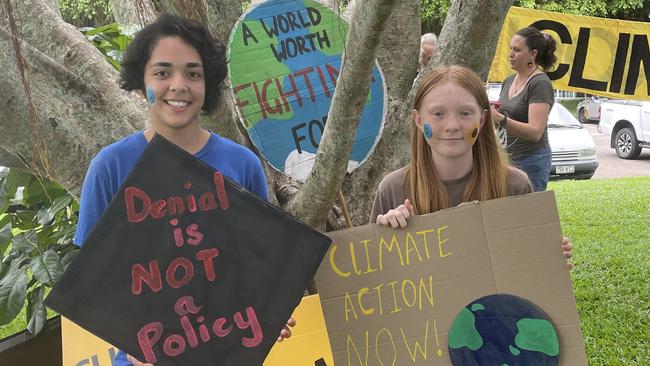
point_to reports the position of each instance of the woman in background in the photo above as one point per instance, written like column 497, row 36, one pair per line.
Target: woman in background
column 526, row 100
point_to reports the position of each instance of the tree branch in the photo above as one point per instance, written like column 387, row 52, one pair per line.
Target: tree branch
column 469, row 34
column 318, row 194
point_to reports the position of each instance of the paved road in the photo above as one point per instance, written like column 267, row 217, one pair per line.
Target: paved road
column 610, row 165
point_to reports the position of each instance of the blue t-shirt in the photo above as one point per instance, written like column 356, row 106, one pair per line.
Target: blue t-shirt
column 111, row 166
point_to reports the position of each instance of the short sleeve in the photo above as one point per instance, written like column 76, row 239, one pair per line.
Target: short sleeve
column 95, row 198
column 518, row 182
column 541, row 91
column 258, row 181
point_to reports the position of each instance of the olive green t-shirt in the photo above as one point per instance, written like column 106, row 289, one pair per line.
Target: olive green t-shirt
column 538, row 90
column 395, row 188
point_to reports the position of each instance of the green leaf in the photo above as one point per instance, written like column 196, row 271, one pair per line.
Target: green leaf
column 26, row 242
column 36, row 311
column 9, row 185
column 68, row 257
column 5, row 238
column 13, row 290
column 47, row 268
column 46, row 214
column 34, row 193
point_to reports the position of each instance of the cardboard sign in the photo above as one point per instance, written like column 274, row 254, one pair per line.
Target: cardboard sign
column 390, row 296
column 308, row 346
column 285, row 58
column 187, row 268
column 606, row 57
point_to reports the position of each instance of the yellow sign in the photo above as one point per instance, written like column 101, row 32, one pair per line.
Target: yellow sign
column 81, row 348
column 309, row 345
column 594, row 55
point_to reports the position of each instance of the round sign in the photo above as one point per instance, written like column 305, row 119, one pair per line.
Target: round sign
column 503, row 330
column 285, row 57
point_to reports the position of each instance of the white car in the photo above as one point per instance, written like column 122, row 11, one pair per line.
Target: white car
column 573, row 148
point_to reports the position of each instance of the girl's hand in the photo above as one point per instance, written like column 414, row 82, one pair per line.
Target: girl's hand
column 397, row 217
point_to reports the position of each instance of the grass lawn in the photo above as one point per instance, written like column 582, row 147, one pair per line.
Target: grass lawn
column 608, row 221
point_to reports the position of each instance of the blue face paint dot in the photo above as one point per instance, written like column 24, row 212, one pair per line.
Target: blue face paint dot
column 151, row 96
column 428, row 132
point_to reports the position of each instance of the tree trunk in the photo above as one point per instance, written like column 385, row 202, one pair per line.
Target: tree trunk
column 134, row 14
column 62, row 102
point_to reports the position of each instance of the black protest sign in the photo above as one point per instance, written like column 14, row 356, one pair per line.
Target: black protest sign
column 187, row 268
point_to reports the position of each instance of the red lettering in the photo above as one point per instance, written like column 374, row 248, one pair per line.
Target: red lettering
column 176, row 205
column 294, row 92
column 303, row 73
column 203, row 330
column 207, row 202
column 217, row 178
column 151, row 277
column 178, row 237
column 174, row 345
column 131, row 193
column 240, row 103
column 196, row 237
column 326, row 89
column 189, row 332
column 158, row 209
column 259, row 100
column 265, row 101
column 188, row 270
column 191, row 203
column 253, row 323
column 185, row 305
column 206, row 256
column 333, row 73
column 219, row 330
column 147, row 337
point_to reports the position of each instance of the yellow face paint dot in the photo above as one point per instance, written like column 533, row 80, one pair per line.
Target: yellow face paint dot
column 472, row 135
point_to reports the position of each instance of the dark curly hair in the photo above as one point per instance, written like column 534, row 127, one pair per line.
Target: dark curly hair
column 543, row 43
column 212, row 52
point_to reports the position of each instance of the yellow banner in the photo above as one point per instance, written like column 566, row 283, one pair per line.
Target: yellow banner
column 597, row 56
column 309, row 345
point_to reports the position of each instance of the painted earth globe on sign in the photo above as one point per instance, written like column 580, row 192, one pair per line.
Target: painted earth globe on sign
column 503, row 330
column 285, row 59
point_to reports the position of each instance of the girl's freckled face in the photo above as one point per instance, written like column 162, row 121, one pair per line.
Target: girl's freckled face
column 450, row 119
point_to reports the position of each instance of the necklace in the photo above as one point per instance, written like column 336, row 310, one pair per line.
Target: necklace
column 518, row 88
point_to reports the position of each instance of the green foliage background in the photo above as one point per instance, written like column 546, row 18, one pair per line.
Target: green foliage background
column 86, row 13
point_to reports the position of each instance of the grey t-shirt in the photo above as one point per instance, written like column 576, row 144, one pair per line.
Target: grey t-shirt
column 538, row 90
column 395, row 188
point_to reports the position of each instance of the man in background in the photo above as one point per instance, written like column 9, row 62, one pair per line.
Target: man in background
column 428, row 43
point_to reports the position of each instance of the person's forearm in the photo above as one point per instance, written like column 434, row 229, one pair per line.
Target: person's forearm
column 524, row 131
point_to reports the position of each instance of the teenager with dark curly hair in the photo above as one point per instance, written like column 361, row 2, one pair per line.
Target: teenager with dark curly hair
column 179, row 68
